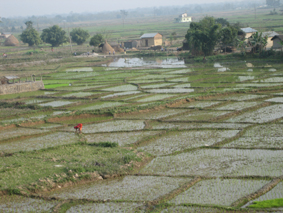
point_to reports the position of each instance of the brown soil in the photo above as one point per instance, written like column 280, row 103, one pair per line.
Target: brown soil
column 8, row 127
column 29, row 124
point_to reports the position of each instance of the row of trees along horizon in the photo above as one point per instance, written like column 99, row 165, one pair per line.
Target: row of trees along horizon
column 56, row 36
column 201, row 39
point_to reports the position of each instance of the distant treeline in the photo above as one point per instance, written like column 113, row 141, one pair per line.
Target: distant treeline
column 17, row 24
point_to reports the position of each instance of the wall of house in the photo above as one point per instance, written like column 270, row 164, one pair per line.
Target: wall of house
column 269, row 42
column 150, row 42
column 248, row 35
column 158, row 40
column 21, row 87
column 276, row 44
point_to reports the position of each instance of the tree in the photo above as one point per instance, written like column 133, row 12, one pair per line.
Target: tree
column 96, row 40
column 228, row 35
column 30, row 35
column 79, row 36
column 222, row 21
column 54, row 35
column 203, row 36
column 124, row 14
column 258, row 42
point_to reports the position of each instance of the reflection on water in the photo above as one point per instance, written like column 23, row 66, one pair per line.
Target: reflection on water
column 152, row 62
column 220, row 67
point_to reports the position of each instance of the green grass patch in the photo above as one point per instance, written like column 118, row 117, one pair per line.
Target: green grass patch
column 267, row 203
column 52, row 86
column 107, row 158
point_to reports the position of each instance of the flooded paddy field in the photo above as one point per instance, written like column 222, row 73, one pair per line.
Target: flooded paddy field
column 221, row 192
column 170, row 137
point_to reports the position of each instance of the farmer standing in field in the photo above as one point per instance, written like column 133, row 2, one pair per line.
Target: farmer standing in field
column 79, row 127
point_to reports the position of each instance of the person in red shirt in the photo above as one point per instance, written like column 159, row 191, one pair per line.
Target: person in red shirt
column 79, row 127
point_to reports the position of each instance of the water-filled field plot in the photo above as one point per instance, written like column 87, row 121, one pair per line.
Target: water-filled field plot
column 180, row 126
column 198, row 104
column 122, row 138
column 262, row 115
column 41, row 142
column 121, row 88
column 276, row 100
column 192, row 209
column 219, row 162
column 153, row 86
column 221, row 192
column 79, row 94
column 198, row 115
column 261, row 136
column 155, row 97
column 178, row 141
column 19, row 204
column 130, row 188
column 112, row 126
column 174, row 90
column 152, row 114
column 240, row 97
column 238, row 106
column 97, row 105
column 132, row 207
column 17, row 132
column 56, row 103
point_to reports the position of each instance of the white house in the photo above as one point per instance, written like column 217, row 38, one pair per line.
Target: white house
column 183, row 18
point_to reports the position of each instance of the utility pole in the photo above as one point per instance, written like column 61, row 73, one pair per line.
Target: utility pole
column 70, row 40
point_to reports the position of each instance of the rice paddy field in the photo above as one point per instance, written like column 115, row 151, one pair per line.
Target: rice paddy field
column 185, row 138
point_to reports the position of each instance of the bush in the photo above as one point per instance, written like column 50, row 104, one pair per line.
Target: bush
column 107, row 144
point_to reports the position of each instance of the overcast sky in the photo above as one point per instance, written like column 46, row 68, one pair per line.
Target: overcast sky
column 10, row 8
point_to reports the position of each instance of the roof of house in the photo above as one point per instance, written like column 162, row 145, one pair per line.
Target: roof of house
column 269, row 34
column 149, row 35
column 11, row 77
column 248, row 30
column 278, row 36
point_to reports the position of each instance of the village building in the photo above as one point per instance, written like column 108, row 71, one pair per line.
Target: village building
column 151, row 39
column 5, row 35
column 183, row 18
column 269, row 36
column 277, row 42
column 14, row 84
column 132, row 44
column 248, row 31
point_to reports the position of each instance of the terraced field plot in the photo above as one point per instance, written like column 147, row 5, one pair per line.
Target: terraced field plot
column 17, row 132
column 261, row 115
column 199, row 104
column 219, row 162
column 108, row 207
column 18, row 204
column 42, row 142
column 211, row 137
column 218, row 192
column 152, row 114
column 178, row 141
column 198, row 116
column 181, row 126
column 129, row 188
column 122, row 138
